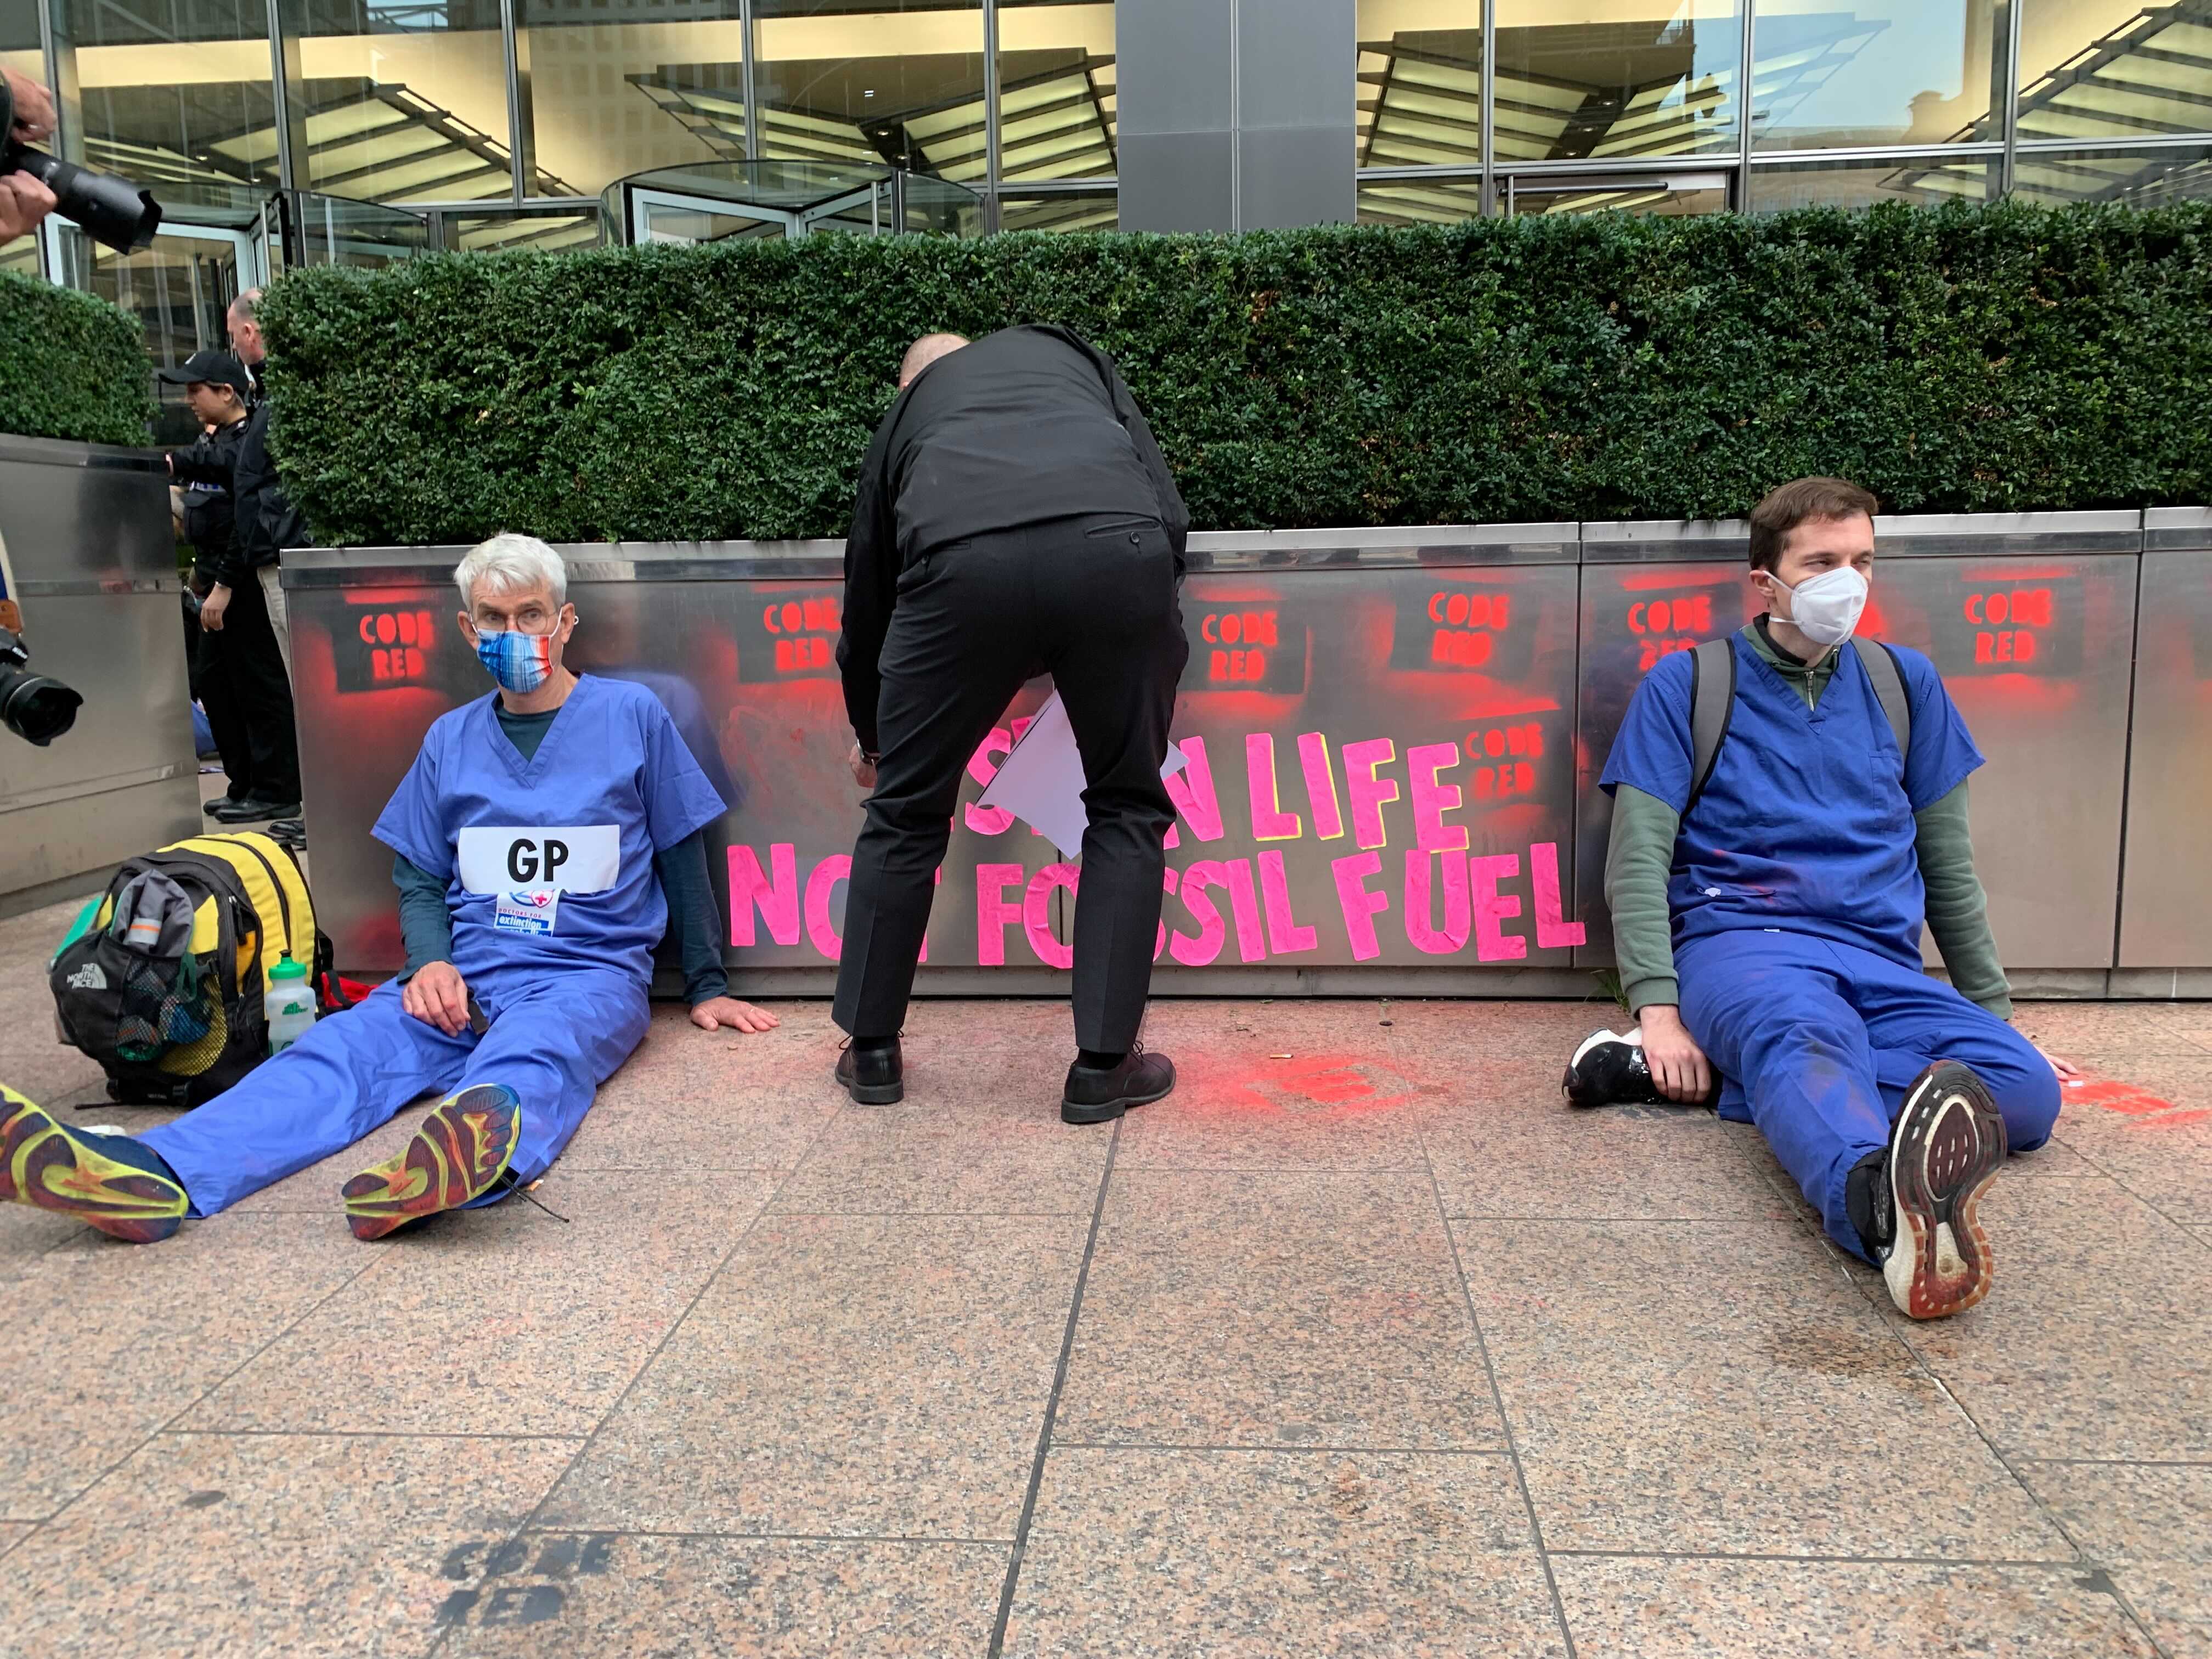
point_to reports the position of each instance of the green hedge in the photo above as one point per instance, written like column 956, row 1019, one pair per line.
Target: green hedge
column 2002, row 358
column 71, row 366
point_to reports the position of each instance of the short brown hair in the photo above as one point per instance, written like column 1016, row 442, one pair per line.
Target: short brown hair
column 1790, row 505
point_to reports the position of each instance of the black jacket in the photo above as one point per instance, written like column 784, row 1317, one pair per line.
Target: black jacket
column 211, row 512
column 1025, row 425
column 267, row 520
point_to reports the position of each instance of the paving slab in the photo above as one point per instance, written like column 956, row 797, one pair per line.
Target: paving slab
column 1252, row 1554
column 314, row 1547
column 2151, row 1525
column 1275, row 1308
column 848, row 1375
column 1641, row 1608
column 2096, row 1340
column 629, row 1595
column 1718, row 1387
column 501, row 1320
column 108, row 1341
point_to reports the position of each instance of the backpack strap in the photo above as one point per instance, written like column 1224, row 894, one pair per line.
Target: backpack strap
column 1888, row 678
column 1713, row 706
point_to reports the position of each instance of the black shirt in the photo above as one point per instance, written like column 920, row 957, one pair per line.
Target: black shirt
column 1024, row 425
column 210, row 512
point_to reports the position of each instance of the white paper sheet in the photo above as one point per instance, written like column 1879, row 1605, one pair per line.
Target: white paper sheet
column 1041, row 782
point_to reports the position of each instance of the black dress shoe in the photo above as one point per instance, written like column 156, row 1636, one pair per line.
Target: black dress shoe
column 219, row 804
column 1098, row 1094
column 253, row 811
column 873, row 1077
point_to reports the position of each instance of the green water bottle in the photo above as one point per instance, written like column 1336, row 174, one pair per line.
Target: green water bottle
column 291, row 1005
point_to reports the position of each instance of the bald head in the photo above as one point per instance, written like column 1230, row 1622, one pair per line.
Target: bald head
column 924, row 352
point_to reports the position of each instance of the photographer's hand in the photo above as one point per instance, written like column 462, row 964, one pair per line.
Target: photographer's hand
column 24, row 201
column 213, row 606
column 34, row 108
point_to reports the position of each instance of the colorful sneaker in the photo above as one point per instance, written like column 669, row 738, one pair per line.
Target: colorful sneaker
column 458, row 1156
column 42, row 1163
column 1944, row 1151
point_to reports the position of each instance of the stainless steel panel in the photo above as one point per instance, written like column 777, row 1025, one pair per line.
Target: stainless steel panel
column 1634, row 613
column 1173, row 69
column 1176, row 181
column 88, row 539
column 2166, row 894
column 1293, row 176
column 2035, row 650
column 1987, row 535
column 1417, row 722
column 1291, row 69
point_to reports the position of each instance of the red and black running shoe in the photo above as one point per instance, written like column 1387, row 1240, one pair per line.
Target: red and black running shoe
column 1944, row 1151
column 458, row 1156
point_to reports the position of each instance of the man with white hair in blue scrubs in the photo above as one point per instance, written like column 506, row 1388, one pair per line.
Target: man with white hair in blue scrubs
column 546, row 838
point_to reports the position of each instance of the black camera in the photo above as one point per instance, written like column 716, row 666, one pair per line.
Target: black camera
column 112, row 210
column 34, row 708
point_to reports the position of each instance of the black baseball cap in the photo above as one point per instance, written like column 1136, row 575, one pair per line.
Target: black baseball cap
column 211, row 368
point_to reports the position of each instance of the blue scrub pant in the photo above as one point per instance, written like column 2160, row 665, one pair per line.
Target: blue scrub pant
column 1817, row 1043
column 554, row 1039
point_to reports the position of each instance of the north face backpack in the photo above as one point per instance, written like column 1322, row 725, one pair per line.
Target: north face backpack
column 162, row 978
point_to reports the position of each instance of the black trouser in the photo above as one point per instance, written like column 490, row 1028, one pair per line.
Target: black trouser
column 211, row 688
column 241, row 666
column 1091, row 601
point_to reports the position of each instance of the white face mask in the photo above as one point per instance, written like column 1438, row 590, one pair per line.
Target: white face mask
column 1825, row 608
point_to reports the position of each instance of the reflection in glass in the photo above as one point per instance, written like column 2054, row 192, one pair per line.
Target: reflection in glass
column 899, row 84
column 21, row 255
column 1656, row 195
column 180, row 289
column 1087, row 209
column 544, row 233
column 2114, row 69
column 718, row 201
column 328, row 230
column 1608, row 80
column 1420, row 84
column 1863, row 183
column 1055, row 90
column 619, row 87
column 1419, row 200
column 2146, row 178
column 175, row 94
column 400, row 101
column 1889, row 72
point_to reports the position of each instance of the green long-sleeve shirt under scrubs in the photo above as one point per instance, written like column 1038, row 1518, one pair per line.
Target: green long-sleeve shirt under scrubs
column 1640, row 857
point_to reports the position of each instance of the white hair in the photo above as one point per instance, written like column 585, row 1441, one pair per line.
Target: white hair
column 509, row 564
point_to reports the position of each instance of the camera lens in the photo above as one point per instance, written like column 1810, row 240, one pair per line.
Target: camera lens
column 36, row 709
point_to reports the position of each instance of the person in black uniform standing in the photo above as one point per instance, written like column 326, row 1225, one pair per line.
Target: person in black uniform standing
column 1015, row 517
column 214, row 386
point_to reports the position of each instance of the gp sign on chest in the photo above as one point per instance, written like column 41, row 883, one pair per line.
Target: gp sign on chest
column 529, row 866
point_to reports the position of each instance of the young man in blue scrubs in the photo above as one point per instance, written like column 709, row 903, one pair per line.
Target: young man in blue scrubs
column 546, row 838
column 1771, row 926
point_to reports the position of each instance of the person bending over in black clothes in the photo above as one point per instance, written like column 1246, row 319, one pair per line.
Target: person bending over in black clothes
column 1015, row 517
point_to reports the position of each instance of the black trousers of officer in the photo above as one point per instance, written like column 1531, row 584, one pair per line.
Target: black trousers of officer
column 1092, row 601
column 242, row 664
column 211, row 688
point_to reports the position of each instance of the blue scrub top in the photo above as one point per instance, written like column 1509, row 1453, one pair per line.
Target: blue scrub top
column 548, row 862
column 1806, row 823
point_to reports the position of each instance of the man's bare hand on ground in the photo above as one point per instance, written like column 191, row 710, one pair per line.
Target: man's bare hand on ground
column 2062, row 1067
column 721, row 1013
column 1678, row 1066
column 438, row 996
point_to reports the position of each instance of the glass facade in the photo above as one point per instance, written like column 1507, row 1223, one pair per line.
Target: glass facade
column 1848, row 103
column 369, row 129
